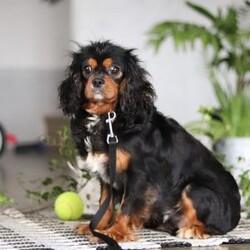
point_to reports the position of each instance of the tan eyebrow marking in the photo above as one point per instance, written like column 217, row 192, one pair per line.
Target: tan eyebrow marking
column 107, row 62
column 92, row 63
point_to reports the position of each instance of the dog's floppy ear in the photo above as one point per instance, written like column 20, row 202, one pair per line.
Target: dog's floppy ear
column 137, row 95
column 70, row 89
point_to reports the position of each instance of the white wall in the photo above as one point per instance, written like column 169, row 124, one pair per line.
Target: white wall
column 179, row 78
column 34, row 38
column 34, row 34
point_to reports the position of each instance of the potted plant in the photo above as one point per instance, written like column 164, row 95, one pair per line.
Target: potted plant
column 227, row 55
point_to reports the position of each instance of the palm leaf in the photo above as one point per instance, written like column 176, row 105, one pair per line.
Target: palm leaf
column 245, row 34
column 221, row 95
column 201, row 10
column 183, row 34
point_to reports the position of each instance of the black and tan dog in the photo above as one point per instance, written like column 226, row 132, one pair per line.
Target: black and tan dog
column 166, row 179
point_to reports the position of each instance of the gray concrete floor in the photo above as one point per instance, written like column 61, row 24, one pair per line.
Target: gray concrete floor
column 25, row 171
column 21, row 172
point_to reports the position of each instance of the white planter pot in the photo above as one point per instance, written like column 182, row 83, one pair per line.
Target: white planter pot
column 237, row 155
column 236, row 152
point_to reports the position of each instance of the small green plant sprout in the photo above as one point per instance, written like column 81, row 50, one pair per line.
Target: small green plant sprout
column 5, row 199
column 67, row 159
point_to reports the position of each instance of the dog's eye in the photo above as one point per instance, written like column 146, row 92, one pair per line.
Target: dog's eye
column 114, row 70
column 87, row 69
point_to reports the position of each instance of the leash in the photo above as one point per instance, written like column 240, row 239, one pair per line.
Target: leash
column 112, row 140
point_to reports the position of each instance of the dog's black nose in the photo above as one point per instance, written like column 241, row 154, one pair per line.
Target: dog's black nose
column 97, row 82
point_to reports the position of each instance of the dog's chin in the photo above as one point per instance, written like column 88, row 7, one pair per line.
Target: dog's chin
column 99, row 103
column 98, row 96
column 101, row 96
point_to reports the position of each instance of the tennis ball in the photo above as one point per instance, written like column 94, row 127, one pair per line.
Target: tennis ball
column 68, row 206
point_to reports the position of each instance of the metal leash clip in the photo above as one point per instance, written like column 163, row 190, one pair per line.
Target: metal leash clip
column 111, row 137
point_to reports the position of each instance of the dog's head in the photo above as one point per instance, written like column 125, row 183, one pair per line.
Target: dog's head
column 104, row 77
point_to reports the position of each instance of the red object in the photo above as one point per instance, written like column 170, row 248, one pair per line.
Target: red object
column 11, row 138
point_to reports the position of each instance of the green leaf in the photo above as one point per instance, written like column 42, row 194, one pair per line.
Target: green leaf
column 202, row 11
column 183, row 34
column 4, row 199
column 221, row 94
column 47, row 181
column 45, row 196
column 57, row 190
column 54, row 164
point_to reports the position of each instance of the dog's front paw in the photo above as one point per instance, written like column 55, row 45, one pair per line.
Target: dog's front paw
column 120, row 236
column 82, row 229
column 193, row 232
column 116, row 235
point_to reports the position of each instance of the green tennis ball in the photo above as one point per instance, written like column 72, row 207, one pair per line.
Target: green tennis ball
column 68, row 206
